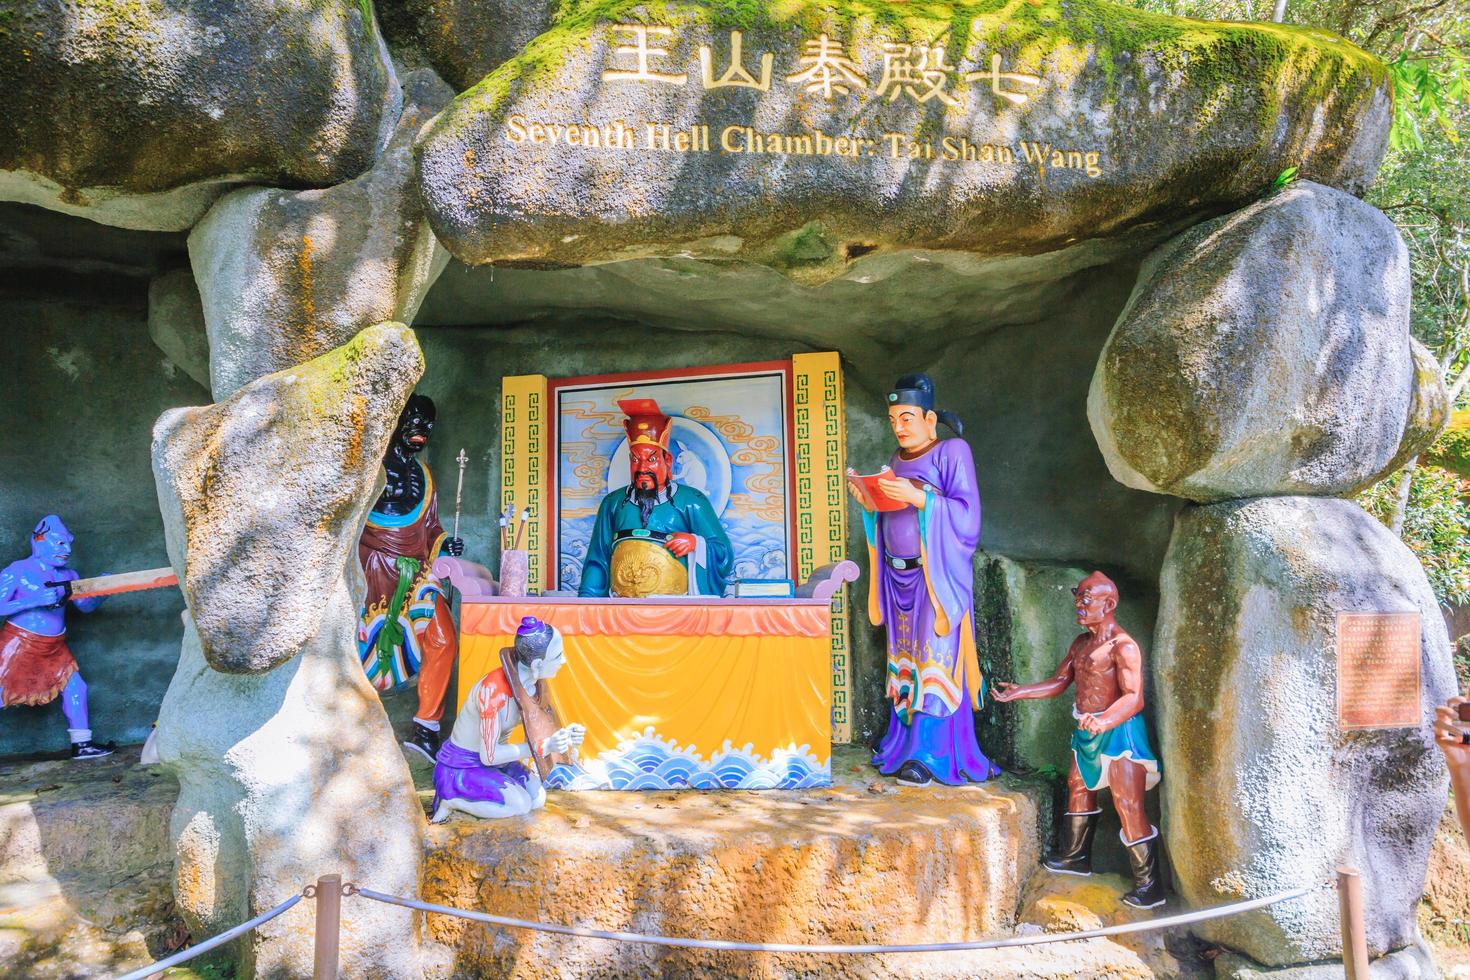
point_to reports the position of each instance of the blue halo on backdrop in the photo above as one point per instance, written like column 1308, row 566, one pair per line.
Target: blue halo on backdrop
column 700, row 461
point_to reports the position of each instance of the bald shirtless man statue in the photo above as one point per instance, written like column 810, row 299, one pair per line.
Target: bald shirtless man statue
column 1109, row 746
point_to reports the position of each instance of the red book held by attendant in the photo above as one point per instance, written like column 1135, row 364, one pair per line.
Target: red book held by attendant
column 872, row 494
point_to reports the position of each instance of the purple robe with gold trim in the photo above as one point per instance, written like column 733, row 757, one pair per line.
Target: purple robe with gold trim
column 933, row 678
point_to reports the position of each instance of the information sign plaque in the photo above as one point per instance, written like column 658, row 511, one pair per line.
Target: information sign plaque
column 1378, row 670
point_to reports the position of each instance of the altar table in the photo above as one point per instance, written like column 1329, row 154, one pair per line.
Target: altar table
column 678, row 693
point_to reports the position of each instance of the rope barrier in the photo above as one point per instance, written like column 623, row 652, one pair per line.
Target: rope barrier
column 199, row 949
column 1166, row 922
column 327, row 927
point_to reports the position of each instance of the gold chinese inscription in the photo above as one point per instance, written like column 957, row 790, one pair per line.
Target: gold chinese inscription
column 826, row 69
column 822, row 68
column 736, row 75
column 1378, row 670
column 643, row 51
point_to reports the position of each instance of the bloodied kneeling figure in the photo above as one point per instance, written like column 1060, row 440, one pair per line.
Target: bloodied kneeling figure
column 921, row 547
column 478, row 770
column 1110, row 748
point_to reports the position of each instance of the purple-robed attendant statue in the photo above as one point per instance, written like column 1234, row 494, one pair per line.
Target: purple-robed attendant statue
column 923, row 523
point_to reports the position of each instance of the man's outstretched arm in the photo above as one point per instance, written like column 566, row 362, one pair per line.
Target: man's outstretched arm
column 1050, row 688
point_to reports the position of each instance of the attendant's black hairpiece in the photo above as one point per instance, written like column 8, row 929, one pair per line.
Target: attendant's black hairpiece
column 918, row 390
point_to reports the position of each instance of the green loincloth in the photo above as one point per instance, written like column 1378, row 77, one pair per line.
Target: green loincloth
column 1094, row 753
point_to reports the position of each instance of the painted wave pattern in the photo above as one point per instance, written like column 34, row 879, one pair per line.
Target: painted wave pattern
column 647, row 761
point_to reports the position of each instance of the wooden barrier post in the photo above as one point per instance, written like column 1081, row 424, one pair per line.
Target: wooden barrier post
column 329, row 927
column 1354, row 936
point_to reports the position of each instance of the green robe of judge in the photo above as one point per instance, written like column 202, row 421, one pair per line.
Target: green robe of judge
column 679, row 509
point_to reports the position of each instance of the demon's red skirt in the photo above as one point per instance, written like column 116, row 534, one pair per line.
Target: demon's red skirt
column 33, row 668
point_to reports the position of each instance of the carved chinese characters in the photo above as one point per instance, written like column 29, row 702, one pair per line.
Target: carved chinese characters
column 823, row 68
column 820, row 68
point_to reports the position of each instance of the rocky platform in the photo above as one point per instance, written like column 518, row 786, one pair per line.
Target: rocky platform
column 863, row 861
column 85, row 878
column 86, row 869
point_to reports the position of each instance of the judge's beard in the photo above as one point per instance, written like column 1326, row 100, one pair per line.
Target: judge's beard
column 646, row 501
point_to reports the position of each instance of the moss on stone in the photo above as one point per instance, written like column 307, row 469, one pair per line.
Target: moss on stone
column 1452, row 450
column 811, row 244
column 1261, row 65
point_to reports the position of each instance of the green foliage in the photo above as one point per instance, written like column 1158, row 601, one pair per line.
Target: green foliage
column 1451, row 451
column 1425, row 189
column 211, row 966
column 1427, row 90
column 1436, row 526
column 1462, row 663
column 1283, row 179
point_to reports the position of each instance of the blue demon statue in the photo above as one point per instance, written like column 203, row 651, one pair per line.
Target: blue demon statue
column 35, row 663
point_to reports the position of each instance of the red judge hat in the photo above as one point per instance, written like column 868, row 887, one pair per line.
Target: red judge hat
column 645, row 423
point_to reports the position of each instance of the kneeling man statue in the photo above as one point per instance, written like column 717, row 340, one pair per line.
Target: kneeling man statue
column 478, row 771
column 1109, row 746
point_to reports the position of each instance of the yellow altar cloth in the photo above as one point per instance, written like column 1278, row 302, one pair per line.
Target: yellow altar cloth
column 729, row 693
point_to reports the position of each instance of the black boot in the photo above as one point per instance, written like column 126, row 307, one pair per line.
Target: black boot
column 424, row 741
column 913, row 773
column 1143, row 858
column 1073, row 855
column 91, row 750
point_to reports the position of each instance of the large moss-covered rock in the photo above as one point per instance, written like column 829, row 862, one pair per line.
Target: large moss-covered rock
column 263, row 494
column 287, row 276
column 139, row 112
column 1094, row 118
column 287, row 766
column 1263, row 791
column 464, row 40
column 1265, row 352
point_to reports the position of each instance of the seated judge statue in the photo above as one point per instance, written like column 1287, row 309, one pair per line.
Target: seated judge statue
column 655, row 537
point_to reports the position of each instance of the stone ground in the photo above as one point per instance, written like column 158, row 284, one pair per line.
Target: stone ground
column 85, row 877
column 85, row 870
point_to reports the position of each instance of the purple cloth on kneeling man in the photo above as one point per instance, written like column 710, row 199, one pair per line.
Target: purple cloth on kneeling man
column 460, row 775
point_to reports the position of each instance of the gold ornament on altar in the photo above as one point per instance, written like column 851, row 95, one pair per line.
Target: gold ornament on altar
column 641, row 568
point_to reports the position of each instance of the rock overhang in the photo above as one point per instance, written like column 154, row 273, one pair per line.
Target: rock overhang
column 909, row 301
column 139, row 114
column 996, row 128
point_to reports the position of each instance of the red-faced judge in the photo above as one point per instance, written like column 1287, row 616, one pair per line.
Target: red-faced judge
column 655, row 510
